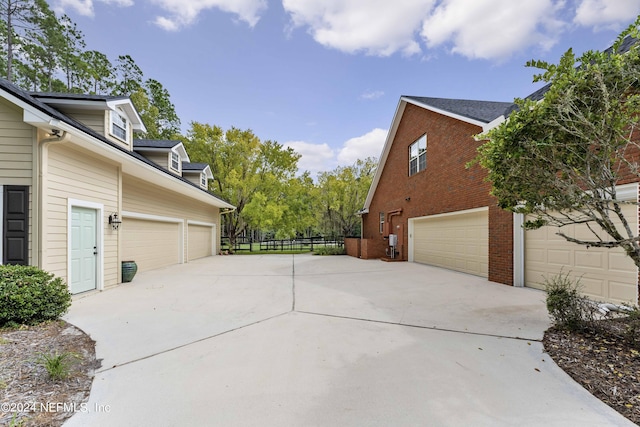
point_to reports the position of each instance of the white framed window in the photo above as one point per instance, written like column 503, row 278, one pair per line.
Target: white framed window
column 418, row 155
column 119, row 126
column 381, row 222
column 203, row 180
column 175, row 161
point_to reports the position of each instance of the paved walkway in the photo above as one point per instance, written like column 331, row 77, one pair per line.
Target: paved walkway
column 284, row 340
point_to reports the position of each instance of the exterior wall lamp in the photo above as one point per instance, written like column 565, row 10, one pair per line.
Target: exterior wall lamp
column 115, row 221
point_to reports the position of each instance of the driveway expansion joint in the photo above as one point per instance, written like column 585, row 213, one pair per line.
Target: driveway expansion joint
column 178, row 347
column 432, row 328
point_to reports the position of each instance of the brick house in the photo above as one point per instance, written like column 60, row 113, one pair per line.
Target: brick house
column 443, row 215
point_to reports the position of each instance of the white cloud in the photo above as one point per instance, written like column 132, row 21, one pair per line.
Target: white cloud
column 82, row 7
column 361, row 147
column 85, row 7
column 376, row 27
column 182, row 13
column 372, row 94
column 611, row 14
column 492, row 29
column 315, row 157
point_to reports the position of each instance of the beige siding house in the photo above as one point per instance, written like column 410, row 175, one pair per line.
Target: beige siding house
column 79, row 197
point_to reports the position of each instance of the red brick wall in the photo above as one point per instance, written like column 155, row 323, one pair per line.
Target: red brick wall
column 446, row 185
column 352, row 246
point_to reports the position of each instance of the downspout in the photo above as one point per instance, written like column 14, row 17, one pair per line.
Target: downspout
column 43, row 160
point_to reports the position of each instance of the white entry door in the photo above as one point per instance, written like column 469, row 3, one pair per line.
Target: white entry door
column 84, row 249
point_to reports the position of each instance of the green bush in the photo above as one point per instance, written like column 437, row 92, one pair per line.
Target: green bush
column 329, row 250
column 29, row 295
column 567, row 308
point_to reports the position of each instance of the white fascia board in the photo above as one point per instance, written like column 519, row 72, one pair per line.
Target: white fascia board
column 132, row 113
column 385, row 153
column 478, row 123
column 207, row 172
column 181, row 151
column 495, row 123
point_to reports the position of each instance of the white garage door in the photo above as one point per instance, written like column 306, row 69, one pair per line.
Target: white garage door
column 151, row 244
column 457, row 241
column 606, row 274
column 200, row 241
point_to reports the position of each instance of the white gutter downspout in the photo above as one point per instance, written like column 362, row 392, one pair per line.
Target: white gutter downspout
column 43, row 159
column 518, row 250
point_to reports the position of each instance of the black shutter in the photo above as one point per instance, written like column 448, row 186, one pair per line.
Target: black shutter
column 15, row 225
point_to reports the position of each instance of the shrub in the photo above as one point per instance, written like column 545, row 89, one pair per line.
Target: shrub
column 29, row 295
column 329, row 250
column 567, row 308
column 58, row 365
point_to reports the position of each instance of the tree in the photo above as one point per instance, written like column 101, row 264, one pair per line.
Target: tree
column 129, row 76
column 248, row 173
column 98, row 72
column 16, row 14
column 342, row 193
column 559, row 160
column 165, row 116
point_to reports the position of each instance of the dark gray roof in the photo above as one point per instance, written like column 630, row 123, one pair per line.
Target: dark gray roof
column 151, row 143
column 484, row 111
column 74, row 96
column 195, row 167
column 31, row 100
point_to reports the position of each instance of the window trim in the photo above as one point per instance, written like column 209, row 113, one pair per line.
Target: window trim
column 420, row 158
column 381, row 222
column 203, row 180
column 113, row 124
column 175, row 160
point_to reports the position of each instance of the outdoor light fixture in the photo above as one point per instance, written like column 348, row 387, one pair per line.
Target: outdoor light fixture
column 114, row 221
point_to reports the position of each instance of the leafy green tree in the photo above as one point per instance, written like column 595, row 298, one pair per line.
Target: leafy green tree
column 129, row 76
column 560, row 159
column 342, row 193
column 99, row 72
column 248, row 173
column 16, row 16
column 166, row 118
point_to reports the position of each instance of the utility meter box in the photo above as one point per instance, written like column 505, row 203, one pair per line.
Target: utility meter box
column 393, row 240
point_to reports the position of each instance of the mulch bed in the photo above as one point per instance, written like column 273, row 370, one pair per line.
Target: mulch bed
column 605, row 360
column 29, row 396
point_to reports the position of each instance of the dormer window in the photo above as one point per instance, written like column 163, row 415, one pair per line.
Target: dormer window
column 119, row 126
column 203, row 180
column 175, row 161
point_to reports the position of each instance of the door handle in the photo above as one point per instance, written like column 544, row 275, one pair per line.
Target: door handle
column 95, row 250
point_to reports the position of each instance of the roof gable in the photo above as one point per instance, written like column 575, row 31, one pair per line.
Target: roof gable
column 479, row 113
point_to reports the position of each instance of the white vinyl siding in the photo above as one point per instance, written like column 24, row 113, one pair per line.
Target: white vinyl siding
column 144, row 198
column 75, row 174
column 94, row 120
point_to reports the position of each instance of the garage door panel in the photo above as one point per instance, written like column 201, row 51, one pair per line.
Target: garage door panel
column 605, row 274
column 200, row 241
column 151, row 244
column 457, row 242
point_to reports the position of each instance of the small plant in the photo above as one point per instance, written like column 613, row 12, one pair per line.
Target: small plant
column 58, row 365
column 29, row 295
column 329, row 250
column 567, row 308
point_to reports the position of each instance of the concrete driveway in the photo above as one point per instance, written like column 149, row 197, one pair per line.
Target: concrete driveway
column 284, row 340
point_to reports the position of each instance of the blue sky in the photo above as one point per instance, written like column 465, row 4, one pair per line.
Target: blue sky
column 325, row 76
